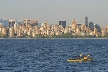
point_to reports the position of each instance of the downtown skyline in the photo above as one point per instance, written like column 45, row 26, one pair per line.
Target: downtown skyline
column 21, row 21
column 54, row 11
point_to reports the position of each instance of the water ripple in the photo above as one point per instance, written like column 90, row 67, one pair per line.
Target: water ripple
column 51, row 55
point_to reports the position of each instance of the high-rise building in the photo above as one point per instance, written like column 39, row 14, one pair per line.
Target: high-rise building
column 79, row 26
column 74, row 24
column 26, row 22
column 11, row 32
column 95, row 31
column 83, row 28
column 34, row 23
column 87, row 30
column 91, row 26
column 4, row 31
column 63, row 23
column 86, row 21
column 103, row 31
column 97, row 27
column 11, row 23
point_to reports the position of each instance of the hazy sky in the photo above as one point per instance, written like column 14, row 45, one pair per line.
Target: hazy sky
column 54, row 10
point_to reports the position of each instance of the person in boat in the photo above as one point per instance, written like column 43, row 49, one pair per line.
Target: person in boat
column 85, row 58
column 79, row 57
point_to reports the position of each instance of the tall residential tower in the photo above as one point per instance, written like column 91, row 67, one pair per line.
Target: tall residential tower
column 11, row 23
column 63, row 23
column 86, row 21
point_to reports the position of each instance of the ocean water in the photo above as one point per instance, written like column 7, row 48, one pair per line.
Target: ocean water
column 51, row 55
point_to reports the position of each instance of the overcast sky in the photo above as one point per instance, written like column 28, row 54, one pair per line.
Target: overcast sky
column 54, row 10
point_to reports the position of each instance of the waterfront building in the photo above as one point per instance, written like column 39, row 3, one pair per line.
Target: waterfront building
column 103, row 32
column 18, row 32
column 74, row 24
column 107, row 29
column 62, row 30
column 79, row 26
column 87, row 30
column 15, row 28
column 29, row 33
column 98, row 28
column 91, row 33
column 11, row 23
column 48, row 32
column 34, row 34
column 36, row 27
column 44, row 24
column 82, row 33
column 91, row 26
column 66, row 29
column 83, row 28
column 86, row 21
column 63, row 23
column 1, row 25
column 34, row 23
column 4, row 31
column 56, row 28
column 78, row 31
column 26, row 22
column 48, row 27
column 11, row 32
column 42, row 29
column 25, row 30
column 21, row 30
column 95, row 31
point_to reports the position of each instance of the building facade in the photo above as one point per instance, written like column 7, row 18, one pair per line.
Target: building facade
column 91, row 26
column 86, row 21
column 11, row 23
column 34, row 22
column 63, row 23
column 26, row 22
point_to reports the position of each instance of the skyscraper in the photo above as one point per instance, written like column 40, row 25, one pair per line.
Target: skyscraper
column 11, row 23
column 86, row 21
column 63, row 23
column 97, row 27
column 91, row 26
column 26, row 22
column 74, row 24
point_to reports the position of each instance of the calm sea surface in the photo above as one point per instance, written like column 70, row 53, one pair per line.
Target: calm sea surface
column 51, row 55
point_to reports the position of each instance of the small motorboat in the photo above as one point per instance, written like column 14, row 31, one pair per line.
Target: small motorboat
column 79, row 60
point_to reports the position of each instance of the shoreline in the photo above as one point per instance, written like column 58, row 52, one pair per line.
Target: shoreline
column 53, row 38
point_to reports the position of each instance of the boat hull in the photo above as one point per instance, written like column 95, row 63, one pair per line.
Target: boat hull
column 81, row 60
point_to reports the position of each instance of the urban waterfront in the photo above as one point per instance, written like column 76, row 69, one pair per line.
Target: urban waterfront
column 30, row 29
column 51, row 55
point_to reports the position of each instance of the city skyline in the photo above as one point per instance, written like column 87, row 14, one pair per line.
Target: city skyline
column 21, row 21
column 30, row 28
column 55, row 11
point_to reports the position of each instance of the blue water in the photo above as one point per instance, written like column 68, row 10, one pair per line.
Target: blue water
column 51, row 55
